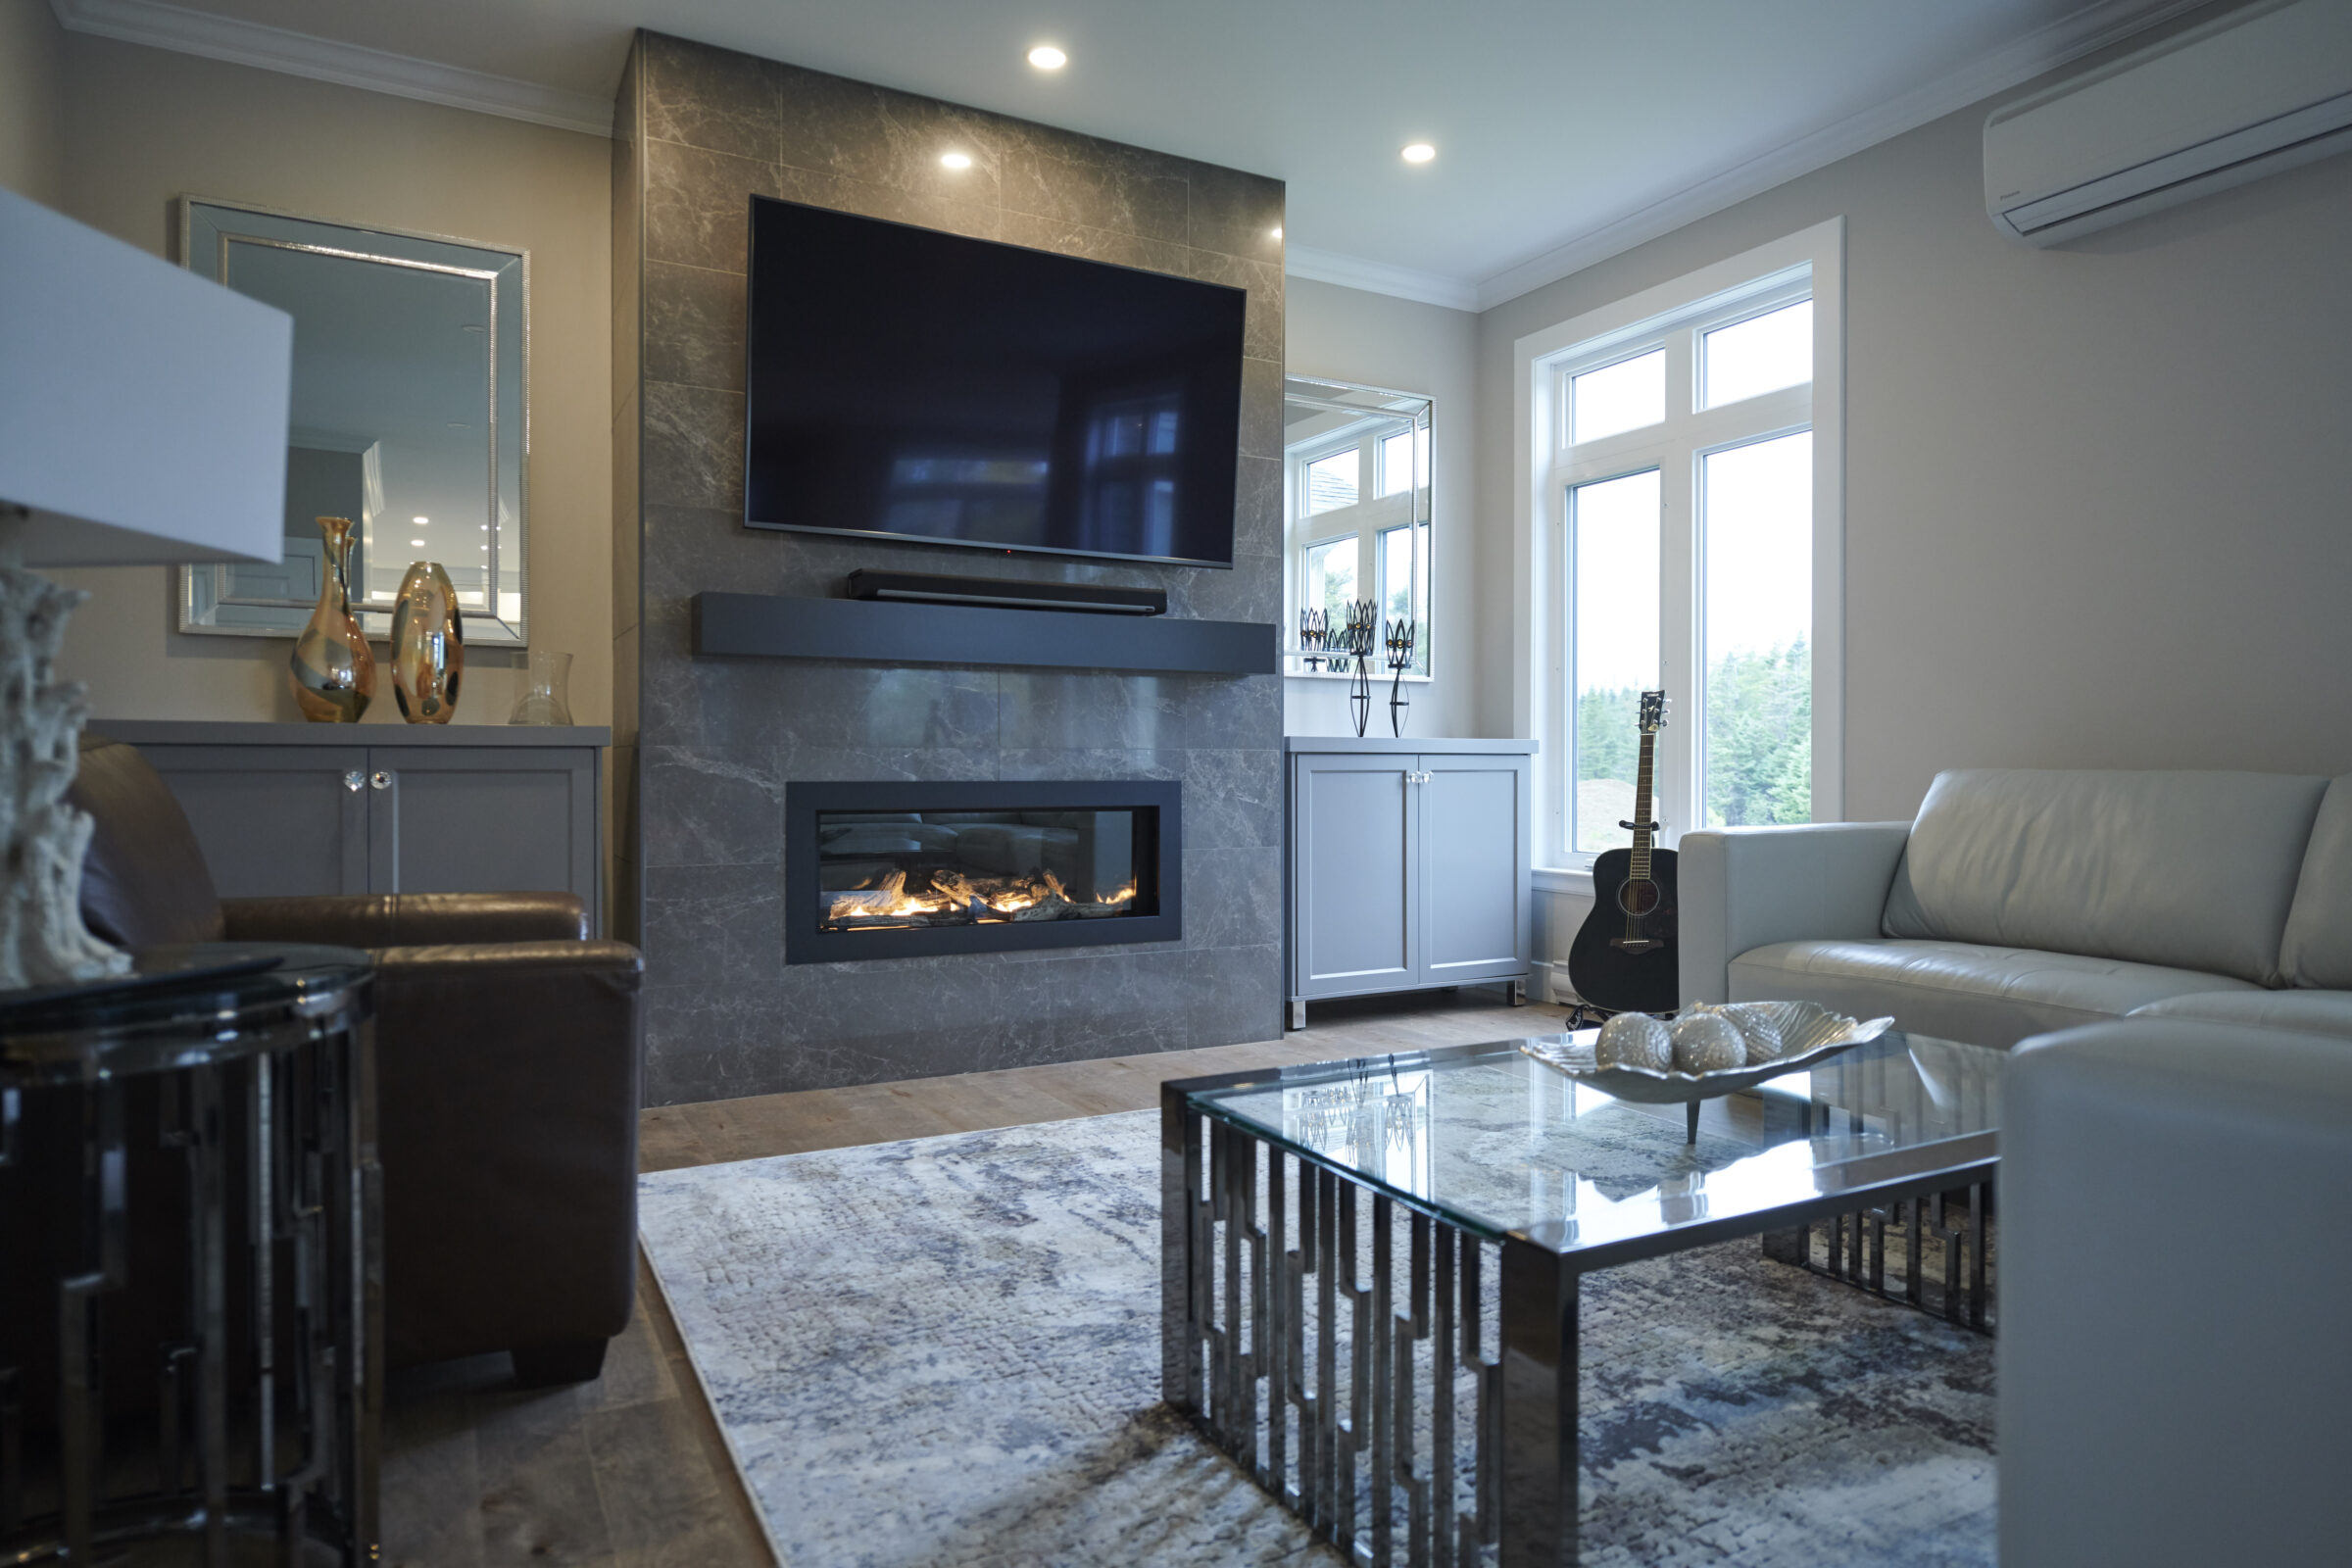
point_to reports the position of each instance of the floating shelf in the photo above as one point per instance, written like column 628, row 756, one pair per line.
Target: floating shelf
column 778, row 627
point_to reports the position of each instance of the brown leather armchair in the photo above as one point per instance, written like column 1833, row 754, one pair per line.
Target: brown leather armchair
column 508, row 1048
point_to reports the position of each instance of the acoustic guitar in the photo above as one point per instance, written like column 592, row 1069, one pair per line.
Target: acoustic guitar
column 1623, row 959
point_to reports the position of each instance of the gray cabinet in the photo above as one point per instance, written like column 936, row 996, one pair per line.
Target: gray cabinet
column 1408, row 865
column 284, row 810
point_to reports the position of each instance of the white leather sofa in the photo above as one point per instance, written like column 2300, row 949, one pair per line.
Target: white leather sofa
column 2022, row 901
column 2174, row 1365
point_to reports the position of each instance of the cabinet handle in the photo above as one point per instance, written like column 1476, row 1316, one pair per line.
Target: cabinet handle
column 1416, row 778
column 380, row 780
column 353, row 780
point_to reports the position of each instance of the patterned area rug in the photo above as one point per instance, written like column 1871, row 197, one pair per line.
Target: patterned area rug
column 946, row 1351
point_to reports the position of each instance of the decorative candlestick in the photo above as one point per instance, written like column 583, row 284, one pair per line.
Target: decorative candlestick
column 1400, row 643
column 1362, row 623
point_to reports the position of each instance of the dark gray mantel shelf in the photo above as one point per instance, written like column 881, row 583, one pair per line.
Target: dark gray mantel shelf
column 776, row 626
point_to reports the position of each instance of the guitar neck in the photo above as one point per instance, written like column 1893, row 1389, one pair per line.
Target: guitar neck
column 1639, row 871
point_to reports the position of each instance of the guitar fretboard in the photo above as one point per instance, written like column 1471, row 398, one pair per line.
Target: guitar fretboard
column 1639, row 870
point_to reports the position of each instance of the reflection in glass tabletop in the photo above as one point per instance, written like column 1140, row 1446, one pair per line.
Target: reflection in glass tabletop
column 1494, row 1141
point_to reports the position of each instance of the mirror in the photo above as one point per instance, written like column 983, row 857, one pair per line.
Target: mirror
column 1355, row 468
column 408, row 417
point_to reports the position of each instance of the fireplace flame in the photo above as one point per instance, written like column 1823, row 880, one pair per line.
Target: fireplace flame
column 953, row 898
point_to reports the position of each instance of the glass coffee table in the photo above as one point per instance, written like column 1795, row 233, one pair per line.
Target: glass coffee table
column 1370, row 1269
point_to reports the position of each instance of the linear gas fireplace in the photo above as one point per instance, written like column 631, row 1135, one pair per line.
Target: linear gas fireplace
column 896, row 870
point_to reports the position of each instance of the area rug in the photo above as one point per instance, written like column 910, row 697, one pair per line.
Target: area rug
column 946, row 1352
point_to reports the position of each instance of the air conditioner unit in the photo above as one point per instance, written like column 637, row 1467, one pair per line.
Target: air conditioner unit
column 2249, row 94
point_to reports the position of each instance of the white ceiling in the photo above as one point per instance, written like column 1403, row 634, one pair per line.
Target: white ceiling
column 1565, row 130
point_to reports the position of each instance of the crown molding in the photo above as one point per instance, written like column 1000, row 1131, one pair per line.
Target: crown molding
column 1379, row 278
column 250, row 43
column 2069, row 38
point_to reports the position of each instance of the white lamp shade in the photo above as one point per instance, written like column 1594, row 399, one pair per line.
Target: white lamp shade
column 142, row 408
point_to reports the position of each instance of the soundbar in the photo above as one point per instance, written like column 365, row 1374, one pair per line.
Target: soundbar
column 998, row 594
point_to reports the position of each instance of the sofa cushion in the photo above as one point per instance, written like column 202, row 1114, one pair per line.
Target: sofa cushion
column 2185, row 871
column 2318, row 949
column 2310, row 1013
column 1986, row 996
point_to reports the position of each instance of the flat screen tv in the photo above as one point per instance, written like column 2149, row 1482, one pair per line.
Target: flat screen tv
column 905, row 383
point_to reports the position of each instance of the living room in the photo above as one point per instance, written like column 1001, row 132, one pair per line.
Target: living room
column 2022, row 538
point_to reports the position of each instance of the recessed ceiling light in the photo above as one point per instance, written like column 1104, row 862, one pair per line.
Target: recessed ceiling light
column 1419, row 152
column 956, row 159
column 1045, row 56
column 420, row 521
column 418, row 543
column 1278, row 231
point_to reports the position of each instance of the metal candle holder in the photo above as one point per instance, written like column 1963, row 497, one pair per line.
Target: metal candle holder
column 1363, row 624
column 1315, row 636
column 1399, row 645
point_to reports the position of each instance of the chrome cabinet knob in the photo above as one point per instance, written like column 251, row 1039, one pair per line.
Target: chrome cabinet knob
column 353, row 780
column 380, row 780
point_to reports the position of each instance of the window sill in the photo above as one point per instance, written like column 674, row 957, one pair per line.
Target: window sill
column 1573, row 881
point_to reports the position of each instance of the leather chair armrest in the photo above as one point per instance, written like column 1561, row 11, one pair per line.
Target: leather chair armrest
column 508, row 1082
column 408, row 919
column 2172, row 1360
column 1744, row 888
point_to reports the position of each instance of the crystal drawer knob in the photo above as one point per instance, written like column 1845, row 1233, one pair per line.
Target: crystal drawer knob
column 353, row 780
column 380, row 780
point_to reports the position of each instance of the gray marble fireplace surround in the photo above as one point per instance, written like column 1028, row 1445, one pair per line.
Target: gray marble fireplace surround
column 703, row 747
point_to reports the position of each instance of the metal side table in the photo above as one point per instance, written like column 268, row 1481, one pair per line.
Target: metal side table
column 227, row 1092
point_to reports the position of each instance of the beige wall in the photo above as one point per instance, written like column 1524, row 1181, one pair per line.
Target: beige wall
column 1350, row 335
column 145, row 127
column 2097, row 511
column 31, row 100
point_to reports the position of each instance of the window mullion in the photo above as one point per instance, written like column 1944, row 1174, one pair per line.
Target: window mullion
column 1677, row 584
column 1677, row 633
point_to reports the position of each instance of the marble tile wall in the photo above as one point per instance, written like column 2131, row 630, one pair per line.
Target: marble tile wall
column 714, row 741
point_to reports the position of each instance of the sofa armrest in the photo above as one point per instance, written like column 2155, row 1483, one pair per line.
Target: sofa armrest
column 1742, row 888
column 508, row 1084
column 2172, row 1360
column 408, row 919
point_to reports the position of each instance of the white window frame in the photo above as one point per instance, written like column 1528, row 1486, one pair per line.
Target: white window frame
column 1805, row 265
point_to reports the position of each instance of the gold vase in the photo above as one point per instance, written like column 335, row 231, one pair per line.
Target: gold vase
column 428, row 645
column 332, row 672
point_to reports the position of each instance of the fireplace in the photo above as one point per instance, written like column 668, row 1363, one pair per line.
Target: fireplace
column 899, row 870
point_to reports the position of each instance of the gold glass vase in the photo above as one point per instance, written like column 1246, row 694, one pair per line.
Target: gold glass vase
column 332, row 672
column 428, row 645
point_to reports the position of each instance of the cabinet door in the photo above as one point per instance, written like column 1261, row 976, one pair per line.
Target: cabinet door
column 273, row 820
column 484, row 820
column 1353, row 875
column 1474, row 874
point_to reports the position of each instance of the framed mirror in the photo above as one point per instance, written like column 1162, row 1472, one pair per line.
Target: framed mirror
column 410, row 357
column 1355, row 473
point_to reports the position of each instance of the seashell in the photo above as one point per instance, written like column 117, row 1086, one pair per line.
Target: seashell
column 1634, row 1040
column 1708, row 1042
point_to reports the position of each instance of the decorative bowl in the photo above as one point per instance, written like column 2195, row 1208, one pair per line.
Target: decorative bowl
column 1571, row 1054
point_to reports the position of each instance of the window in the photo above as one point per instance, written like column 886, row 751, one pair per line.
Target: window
column 1356, row 460
column 1681, row 514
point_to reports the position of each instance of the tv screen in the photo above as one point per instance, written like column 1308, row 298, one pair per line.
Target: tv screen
column 906, row 383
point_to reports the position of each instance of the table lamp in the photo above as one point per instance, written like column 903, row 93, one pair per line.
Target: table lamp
column 142, row 421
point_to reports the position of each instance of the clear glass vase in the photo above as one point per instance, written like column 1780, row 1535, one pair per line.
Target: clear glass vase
column 548, row 699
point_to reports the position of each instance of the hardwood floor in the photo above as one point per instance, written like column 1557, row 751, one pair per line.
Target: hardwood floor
column 631, row 1471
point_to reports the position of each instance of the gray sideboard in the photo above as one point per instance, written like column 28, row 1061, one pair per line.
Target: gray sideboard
column 1408, row 865
column 301, row 808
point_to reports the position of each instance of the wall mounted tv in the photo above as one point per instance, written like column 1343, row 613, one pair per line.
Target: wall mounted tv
column 905, row 383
